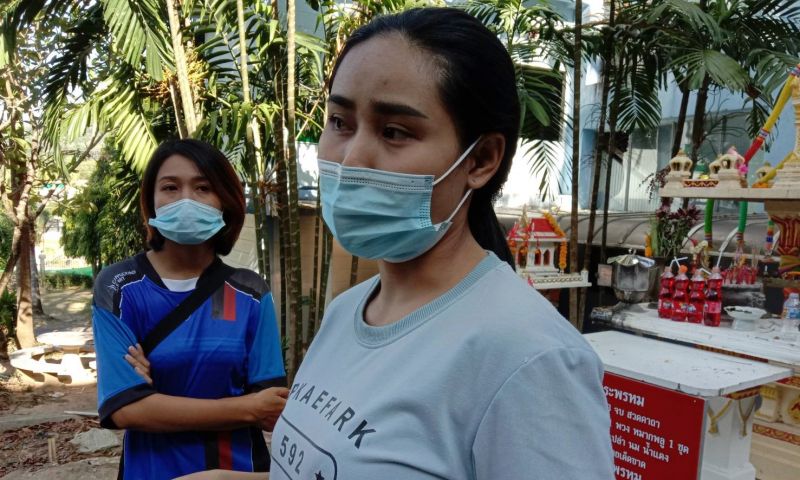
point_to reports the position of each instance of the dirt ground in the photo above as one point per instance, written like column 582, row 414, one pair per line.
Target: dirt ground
column 32, row 412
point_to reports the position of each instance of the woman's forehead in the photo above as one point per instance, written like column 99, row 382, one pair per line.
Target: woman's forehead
column 388, row 70
column 178, row 165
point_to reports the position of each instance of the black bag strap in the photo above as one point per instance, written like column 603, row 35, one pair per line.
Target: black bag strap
column 208, row 283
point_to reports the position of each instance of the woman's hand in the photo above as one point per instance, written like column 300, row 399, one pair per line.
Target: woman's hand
column 267, row 405
column 225, row 475
column 139, row 362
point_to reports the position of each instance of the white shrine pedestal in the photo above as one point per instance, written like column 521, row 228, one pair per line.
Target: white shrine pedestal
column 717, row 379
column 776, row 447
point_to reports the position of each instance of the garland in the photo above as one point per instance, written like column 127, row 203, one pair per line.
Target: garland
column 562, row 250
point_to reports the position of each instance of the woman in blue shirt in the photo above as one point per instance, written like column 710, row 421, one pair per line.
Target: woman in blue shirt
column 202, row 395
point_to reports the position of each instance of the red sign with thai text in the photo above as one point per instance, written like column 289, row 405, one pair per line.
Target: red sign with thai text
column 656, row 433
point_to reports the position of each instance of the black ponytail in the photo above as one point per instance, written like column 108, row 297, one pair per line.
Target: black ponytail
column 486, row 229
column 478, row 88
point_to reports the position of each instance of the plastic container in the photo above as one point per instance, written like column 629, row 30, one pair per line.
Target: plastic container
column 744, row 318
column 665, row 294
column 713, row 308
column 790, row 330
column 680, row 296
column 696, row 304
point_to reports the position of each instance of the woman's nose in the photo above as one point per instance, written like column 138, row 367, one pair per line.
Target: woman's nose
column 189, row 192
column 360, row 150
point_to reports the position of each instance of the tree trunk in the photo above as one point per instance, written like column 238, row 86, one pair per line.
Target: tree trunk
column 677, row 139
column 606, row 201
column 282, row 200
column 182, row 69
column 23, row 174
column 176, row 107
column 327, row 254
column 25, row 333
column 574, row 317
column 36, row 292
column 612, row 131
column 253, row 150
column 315, row 280
column 258, row 213
column 598, row 154
column 698, row 125
column 5, row 337
column 13, row 258
column 291, row 166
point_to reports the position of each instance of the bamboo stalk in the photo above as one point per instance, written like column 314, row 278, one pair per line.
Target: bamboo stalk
column 327, row 254
column 315, row 280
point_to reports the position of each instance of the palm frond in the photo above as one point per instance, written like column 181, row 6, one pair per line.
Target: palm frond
column 115, row 106
column 547, row 165
column 723, row 70
column 687, row 13
column 138, row 29
column 67, row 71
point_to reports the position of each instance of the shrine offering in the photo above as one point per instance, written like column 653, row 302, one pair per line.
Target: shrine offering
column 539, row 247
column 713, row 304
column 696, row 304
column 665, row 294
column 680, row 295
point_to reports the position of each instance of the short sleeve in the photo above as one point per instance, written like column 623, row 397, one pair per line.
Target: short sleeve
column 548, row 420
column 265, row 359
column 118, row 384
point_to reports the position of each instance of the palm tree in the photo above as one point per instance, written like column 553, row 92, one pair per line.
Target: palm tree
column 574, row 316
column 190, row 118
column 533, row 34
column 741, row 45
column 27, row 165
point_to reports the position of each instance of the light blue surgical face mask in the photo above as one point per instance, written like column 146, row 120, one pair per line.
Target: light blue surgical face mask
column 382, row 215
column 187, row 222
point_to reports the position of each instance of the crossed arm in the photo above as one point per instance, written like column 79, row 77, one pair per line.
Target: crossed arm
column 166, row 413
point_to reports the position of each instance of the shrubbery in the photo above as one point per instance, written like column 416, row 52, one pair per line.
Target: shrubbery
column 8, row 313
column 59, row 280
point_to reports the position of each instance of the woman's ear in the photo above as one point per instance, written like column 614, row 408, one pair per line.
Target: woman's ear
column 486, row 156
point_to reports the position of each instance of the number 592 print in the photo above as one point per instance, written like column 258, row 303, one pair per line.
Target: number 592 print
column 300, row 458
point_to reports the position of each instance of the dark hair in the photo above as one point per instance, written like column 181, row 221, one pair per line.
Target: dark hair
column 477, row 86
column 220, row 174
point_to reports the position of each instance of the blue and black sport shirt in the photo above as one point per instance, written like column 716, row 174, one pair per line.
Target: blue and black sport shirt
column 228, row 347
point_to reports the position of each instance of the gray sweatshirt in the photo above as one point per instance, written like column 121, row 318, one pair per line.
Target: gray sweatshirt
column 486, row 382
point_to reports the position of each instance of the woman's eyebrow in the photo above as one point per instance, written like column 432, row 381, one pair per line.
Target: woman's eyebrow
column 380, row 107
column 388, row 108
column 174, row 178
column 343, row 102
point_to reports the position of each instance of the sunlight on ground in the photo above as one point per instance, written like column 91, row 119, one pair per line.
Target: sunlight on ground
column 76, row 307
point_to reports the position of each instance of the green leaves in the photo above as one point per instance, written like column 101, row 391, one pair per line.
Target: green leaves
column 722, row 69
column 117, row 107
column 138, row 29
column 682, row 12
column 547, row 163
column 540, row 92
column 102, row 223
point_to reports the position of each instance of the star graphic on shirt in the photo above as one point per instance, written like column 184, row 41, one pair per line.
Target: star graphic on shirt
column 319, row 476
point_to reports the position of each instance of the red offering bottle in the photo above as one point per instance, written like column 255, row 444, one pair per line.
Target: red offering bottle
column 697, row 296
column 665, row 294
column 680, row 296
column 713, row 310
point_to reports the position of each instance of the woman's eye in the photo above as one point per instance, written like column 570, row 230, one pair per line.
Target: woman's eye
column 204, row 188
column 392, row 133
column 169, row 188
column 336, row 122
